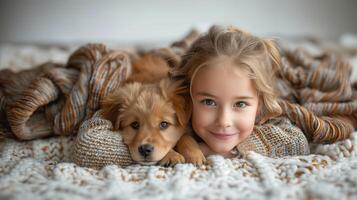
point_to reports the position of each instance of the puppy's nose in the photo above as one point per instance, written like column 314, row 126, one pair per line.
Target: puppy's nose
column 146, row 149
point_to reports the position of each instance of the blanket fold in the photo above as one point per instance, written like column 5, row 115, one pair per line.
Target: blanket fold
column 56, row 99
column 318, row 95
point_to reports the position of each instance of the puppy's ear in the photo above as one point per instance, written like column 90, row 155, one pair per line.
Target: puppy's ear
column 118, row 101
column 171, row 90
column 183, row 109
column 111, row 106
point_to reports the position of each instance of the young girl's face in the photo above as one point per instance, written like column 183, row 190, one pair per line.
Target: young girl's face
column 225, row 104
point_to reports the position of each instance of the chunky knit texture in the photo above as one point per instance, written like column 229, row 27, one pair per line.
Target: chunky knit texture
column 55, row 99
column 97, row 145
column 318, row 95
column 43, row 169
column 276, row 138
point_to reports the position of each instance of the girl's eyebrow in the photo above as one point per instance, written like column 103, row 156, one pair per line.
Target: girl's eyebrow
column 205, row 94
column 211, row 95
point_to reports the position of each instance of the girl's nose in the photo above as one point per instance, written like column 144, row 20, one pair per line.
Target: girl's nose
column 224, row 118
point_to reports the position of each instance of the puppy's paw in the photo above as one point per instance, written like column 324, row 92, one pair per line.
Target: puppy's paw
column 172, row 158
column 196, row 157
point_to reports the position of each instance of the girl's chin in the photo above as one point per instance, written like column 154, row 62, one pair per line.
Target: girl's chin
column 223, row 148
column 207, row 151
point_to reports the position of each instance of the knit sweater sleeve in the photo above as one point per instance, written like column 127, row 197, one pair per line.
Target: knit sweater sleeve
column 276, row 138
column 97, row 145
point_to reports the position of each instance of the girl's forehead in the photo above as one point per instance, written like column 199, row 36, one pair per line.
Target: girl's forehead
column 224, row 76
column 220, row 67
column 223, row 84
column 223, row 79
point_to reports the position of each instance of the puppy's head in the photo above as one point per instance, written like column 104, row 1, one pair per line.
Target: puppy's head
column 150, row 117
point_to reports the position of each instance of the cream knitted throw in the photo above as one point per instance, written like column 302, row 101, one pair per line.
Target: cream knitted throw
column 42, row 169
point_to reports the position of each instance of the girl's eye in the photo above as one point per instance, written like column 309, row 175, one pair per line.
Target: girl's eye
column 208, row 102
column 135, row 125
column 240, row 104
column 164, row 125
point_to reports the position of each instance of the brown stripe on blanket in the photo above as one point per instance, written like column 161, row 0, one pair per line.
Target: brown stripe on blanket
column 318, row 95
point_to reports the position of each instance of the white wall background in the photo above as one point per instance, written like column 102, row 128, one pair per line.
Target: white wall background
column 164, row 20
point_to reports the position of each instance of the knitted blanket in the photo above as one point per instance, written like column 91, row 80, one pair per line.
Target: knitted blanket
column 55, row 99
column 42, row 169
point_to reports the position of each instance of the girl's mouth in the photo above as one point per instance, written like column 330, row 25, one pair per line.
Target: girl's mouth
column 223, row 136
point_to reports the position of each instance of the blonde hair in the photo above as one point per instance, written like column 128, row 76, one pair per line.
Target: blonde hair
column 259, row 57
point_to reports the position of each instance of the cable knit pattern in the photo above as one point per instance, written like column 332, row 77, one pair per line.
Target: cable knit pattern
column 42, row 169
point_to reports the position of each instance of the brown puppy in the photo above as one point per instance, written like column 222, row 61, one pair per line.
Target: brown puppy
column 148, row 112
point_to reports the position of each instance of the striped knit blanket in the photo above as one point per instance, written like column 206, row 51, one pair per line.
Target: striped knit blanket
column 318, row 95
column 55, row 99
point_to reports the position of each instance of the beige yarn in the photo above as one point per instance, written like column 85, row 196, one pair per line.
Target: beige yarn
column 276, row 138
column 97, row 146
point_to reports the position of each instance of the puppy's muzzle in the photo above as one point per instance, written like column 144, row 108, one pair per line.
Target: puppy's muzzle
column 146, row 150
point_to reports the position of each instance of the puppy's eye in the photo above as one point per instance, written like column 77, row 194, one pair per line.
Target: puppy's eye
column 164, row 125
column 135, row 125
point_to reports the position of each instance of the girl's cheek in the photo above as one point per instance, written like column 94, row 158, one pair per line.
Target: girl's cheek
column 203, row 115
column 245, row 122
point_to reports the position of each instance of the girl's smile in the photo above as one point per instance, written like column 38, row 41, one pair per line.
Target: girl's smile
column 223, row 135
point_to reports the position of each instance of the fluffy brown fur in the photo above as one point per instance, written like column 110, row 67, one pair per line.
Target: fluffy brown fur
column 148, row 112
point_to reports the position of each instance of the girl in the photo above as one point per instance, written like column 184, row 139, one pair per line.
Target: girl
column 228, row 76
